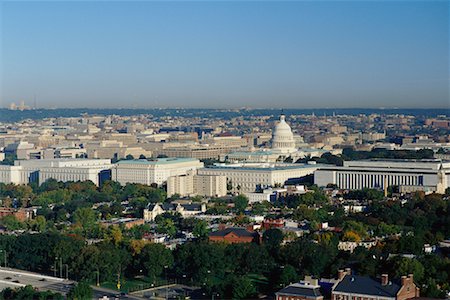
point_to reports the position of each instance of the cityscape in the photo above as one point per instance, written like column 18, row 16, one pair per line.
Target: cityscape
column 278, row 150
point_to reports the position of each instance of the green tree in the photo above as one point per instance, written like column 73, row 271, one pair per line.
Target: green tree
column 240, row 203
column 272, row 238
column 155, row 258
column 86, row 218
column 201, row 229
column 12, row 223
column 243, row 288
column 167, row 226
column 80, row 291
column 404, row 266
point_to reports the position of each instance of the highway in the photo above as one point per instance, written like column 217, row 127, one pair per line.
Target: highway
column 14, row 278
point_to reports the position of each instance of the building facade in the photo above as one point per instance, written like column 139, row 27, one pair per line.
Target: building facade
column 152, row 171
column 40, row 170
column 250, row 177
column 411, row 175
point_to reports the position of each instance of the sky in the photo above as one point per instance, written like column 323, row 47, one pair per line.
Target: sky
column 224, row 54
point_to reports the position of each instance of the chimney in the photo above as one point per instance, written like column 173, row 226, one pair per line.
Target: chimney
column 348, row 271
column 341, row 274
column 411, row 276
column 404, row 280
column 384, row 279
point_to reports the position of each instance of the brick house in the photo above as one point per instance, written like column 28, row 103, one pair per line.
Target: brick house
column 21, row 214
column 234, row 235
column 354, row 287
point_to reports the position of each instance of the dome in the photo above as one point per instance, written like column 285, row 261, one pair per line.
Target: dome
column 282, row 137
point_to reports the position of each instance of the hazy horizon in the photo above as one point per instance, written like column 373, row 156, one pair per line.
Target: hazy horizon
column 299, row 55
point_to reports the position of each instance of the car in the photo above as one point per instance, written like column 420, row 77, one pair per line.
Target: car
column 8, row 278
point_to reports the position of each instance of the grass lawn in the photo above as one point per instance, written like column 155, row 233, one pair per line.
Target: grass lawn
column 134, row 284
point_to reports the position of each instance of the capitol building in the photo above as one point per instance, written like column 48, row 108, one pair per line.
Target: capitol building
column 283, row 145
column 282, row 138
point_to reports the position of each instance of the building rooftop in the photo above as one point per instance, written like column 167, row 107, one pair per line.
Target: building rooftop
column 157, row 161
column 366, row 286
column 299, row 289
column 264, row 166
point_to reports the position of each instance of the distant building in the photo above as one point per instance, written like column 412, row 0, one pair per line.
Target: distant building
column 21, row 214
column 185, row 209
column 152, row 171
column 40, row 170
column 193, row 184
column 126, row 222
column 234, row 235
column 251, row 177
column 351, row 246
column 409, row 175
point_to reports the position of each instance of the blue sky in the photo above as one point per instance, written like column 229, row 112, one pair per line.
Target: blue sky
column 297, row 54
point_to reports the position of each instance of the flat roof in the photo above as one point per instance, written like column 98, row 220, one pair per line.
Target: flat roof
column 266, row 167
column 158, row 161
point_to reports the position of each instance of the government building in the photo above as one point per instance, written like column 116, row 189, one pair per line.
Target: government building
column 157, row 171
column 251, row 177
column 427, row 175
column 40, row 170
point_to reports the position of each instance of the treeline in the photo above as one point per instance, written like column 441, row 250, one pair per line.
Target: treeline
column 231, row 270
column 66, row 197
column 351, row 154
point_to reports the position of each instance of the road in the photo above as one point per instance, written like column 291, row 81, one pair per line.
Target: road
column 14, row 278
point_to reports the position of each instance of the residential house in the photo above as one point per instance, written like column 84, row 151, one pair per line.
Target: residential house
column 355, row 287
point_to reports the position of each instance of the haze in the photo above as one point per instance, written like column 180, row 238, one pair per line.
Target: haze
column 226, row 54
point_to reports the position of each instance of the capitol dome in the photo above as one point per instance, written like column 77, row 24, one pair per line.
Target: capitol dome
column 282, row 137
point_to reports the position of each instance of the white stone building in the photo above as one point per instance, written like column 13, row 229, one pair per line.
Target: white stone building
column 40, row 170
column 249, row 177
column 428, row 174
column 152, row 171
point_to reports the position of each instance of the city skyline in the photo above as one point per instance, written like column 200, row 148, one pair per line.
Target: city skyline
column 391, row 54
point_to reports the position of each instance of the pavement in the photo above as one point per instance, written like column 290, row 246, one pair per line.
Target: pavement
column 14, row 278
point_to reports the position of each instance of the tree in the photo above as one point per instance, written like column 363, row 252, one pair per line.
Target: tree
column 115, row 235
column 243, row 288
column 80, row 291
column 86, row 218
column 155, row 258
column 288, row 275
column 39, row 224
column 272, row 238
column 201, row 229
column 12, row 223
column 167, row 226
column 240, row 203
column 129, row 157
column 404, row 266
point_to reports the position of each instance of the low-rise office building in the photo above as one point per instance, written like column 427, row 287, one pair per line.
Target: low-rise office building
column 40, row 170
column 409, row 175
column 250, row 177
column 157, row 171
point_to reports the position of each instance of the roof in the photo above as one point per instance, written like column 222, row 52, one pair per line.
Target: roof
column 301, row 290
column 241, row 232
column 158, row 161
column 172, row 206
column 366, row 286
column 264, row 167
